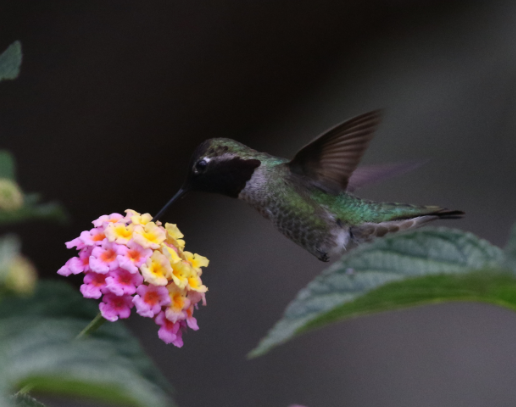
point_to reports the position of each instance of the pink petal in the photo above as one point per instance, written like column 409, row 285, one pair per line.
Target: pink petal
column 122, row 282
column 77, row 242
column 98, row 260
column 76, row 265
column 94, row 285
column 121, row 249
column 168, row 331
column 150, row 299
column 85, row 252
column 98, row 266
column 113, row 306
column 126, row 264
column 108, row 312
column 195, row 297
column 178, row 341
column 90, row 291
column 105, row 219
column 144, row 309
column 192, row 323
column 88, row 237
column 64, row 271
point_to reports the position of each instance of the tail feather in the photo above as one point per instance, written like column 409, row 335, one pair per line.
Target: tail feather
column 369, row 230
column 448, row 214
column 438, row 212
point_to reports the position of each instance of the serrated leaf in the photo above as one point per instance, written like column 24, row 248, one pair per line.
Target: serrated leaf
column 510, row 250
column 10, row 61
column 492, row 286
column 32, row 210
column 336, row 293
column 38, row 349
column 7, row 165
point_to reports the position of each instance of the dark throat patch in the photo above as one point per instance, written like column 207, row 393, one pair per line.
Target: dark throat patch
column 226, row 177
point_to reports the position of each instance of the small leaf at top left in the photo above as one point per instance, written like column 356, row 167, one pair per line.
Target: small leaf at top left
column 10, row 61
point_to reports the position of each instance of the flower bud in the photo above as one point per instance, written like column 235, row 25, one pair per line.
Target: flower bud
column 11, row 197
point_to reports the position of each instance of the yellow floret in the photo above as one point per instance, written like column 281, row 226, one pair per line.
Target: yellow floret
column 173, row 231
column 119, row 232
column 181, row 272
column 177, row 296
column 137, row 218
column 157, row 269
column 170, row 254
column 174, row 236
column 195, row 283
column 149, row 235
column 178, row 303
column 196, row 260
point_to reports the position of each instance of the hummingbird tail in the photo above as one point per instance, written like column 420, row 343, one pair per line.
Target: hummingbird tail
column 369, row 230
column 448, row 214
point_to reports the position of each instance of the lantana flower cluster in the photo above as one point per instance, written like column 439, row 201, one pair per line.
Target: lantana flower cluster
column 129, row 261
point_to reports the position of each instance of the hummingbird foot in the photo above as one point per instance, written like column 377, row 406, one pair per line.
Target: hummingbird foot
column 323, row 256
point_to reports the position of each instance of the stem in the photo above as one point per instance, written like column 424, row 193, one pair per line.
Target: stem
column 92, row 326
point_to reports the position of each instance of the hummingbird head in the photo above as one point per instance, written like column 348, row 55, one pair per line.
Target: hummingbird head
column 221, row 166
column 218, row 165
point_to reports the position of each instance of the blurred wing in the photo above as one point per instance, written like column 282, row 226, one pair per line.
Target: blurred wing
column 331, row 158
column 363, row 176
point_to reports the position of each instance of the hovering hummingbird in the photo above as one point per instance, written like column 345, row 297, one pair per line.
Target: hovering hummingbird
column 308, row 198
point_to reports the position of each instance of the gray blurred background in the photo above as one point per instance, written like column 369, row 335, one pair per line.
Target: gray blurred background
column 114, row 96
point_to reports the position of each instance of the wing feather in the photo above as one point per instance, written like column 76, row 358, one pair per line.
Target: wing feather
column 331, row 158
column 367, row 175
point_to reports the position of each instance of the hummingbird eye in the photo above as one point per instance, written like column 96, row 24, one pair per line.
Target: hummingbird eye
column 201, row 165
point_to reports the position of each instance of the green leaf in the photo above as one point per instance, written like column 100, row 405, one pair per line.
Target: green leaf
column 38, row 350
column 7, row 166
column 510, row 250
column 31, row 210
column 350, row 287
column 10, row 61
column 492, row 286
column 24, row 400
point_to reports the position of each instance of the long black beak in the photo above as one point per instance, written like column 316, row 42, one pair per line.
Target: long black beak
column 178, row 195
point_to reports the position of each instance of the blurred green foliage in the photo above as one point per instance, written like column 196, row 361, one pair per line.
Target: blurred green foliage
column 10, row 61
column 7, row 167
column 17, row 274
column 24, row 400
column 39, row 349
column 16, row 206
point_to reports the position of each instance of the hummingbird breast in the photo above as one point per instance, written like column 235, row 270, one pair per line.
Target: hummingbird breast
column 274, row 194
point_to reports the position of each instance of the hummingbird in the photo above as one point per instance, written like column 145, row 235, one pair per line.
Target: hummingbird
column 309, row 198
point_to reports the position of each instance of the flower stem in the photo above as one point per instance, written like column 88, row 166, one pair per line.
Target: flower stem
column 92, row 326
